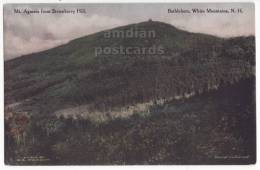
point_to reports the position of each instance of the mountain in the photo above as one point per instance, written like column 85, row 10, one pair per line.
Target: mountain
column 72, row 75
column 173, row 98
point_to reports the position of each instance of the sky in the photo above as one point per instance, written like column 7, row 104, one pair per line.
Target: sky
column 30, row 33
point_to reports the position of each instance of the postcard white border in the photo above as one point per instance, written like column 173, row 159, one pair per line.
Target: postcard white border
column 159, row 167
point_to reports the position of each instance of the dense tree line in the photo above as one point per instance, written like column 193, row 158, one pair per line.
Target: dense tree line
column 69, row 75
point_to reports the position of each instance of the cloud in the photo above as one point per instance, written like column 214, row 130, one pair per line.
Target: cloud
column 219, row 24
column 24, row 34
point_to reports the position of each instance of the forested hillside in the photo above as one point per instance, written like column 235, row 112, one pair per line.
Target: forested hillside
column 192, row 104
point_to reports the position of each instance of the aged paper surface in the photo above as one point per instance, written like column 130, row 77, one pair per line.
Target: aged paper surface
column 127, row 84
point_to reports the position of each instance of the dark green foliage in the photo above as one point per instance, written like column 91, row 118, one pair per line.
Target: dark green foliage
column 71, row 75
column 190, row 131
column 212, row 123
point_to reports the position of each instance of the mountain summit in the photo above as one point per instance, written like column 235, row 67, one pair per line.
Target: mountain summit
column 145, row 93
column 127, row 71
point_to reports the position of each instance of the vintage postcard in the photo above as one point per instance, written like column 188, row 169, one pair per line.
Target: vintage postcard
column 129, row 84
